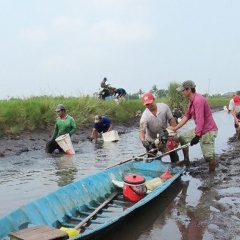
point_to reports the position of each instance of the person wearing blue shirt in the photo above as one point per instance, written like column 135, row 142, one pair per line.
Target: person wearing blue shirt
column 102, row 124
column 119, row 93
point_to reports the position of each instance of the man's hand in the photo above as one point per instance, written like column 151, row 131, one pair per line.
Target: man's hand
column 171, row 128
column 145, row 143
column 90, row 138
column 195, row 140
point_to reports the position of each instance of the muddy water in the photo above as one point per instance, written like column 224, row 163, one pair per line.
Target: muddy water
column 31, row 175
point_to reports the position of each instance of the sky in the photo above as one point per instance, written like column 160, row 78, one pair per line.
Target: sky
column 66, row 47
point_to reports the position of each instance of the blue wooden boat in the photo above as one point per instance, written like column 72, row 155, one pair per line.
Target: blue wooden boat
column 88, row 205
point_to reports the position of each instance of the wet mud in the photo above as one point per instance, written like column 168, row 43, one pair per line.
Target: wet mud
column 28, row 141
column 220, row 202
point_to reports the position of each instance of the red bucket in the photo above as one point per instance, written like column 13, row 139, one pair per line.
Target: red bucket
column 134, row 187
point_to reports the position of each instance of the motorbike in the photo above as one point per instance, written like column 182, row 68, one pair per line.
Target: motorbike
column 106, row 92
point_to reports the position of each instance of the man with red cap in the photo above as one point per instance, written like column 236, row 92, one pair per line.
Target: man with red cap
column 234, row 108
column 153, row 124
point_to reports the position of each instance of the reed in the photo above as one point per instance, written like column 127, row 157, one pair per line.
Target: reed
column 17, row 115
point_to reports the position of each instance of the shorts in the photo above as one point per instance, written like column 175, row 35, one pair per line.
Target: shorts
column 207, row 142
column 102, row 129
column 51, row 146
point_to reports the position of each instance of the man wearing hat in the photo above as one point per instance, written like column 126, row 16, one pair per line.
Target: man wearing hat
column 206, row 129
column 234, row 108
column 102, row 124
column 153, row 122
column 64, row 124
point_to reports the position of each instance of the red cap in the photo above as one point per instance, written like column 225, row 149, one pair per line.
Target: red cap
column 236, row 100
column 147, row 98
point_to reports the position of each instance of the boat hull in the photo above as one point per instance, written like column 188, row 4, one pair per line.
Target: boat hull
column 72, row 203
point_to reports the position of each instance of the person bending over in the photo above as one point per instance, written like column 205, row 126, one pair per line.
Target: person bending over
column 119, row 93
column 153, row 124
column 102, row 124
column 234, row 108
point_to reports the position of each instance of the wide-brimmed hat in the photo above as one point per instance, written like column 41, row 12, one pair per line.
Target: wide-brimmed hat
column 186, row 84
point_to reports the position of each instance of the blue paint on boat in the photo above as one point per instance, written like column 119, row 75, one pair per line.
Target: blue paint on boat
column 72, row 203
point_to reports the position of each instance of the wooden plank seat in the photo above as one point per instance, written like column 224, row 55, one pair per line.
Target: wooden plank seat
column 39, row 233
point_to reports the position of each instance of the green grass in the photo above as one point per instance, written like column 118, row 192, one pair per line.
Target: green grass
column 17, row 115
column 216, row 102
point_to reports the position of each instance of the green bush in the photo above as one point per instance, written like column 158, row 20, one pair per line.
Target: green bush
column 17, row 115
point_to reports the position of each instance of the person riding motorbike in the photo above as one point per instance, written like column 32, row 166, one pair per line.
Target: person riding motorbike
column 106, row 91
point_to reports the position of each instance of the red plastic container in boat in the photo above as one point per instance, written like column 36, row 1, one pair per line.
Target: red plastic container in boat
column 134, row 187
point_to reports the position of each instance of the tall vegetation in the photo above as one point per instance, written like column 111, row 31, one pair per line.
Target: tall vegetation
column 175, row 98
column 33, row 113
column 17, row 115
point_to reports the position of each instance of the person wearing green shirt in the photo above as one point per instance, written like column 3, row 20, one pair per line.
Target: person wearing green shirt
column 64, row 124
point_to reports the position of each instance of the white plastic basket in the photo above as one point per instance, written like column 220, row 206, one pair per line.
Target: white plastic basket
column 111, row 136
column 64, row 141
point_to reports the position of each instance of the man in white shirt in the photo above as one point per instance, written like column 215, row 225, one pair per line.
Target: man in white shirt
column 155, row 120
column 234, row 108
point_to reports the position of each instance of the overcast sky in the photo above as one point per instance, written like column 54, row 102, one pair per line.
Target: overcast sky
column 53, row 47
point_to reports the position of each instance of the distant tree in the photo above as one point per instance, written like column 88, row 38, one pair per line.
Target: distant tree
column 133, row 96
column 154, row 90
column 140, row 93
column 175, row 98
column 95, row 95
column 216, row 95
column 161, row 93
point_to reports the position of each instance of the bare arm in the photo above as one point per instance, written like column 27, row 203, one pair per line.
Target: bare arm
column 172, row 122
column 179, row 125
column 110, row 127
column 141, row 135
column 234, row 116
column 94, row 134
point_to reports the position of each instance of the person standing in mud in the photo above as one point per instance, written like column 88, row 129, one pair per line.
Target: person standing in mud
column 154, row 120
column 64, row 124
column 206, row 129
column 234, row 108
